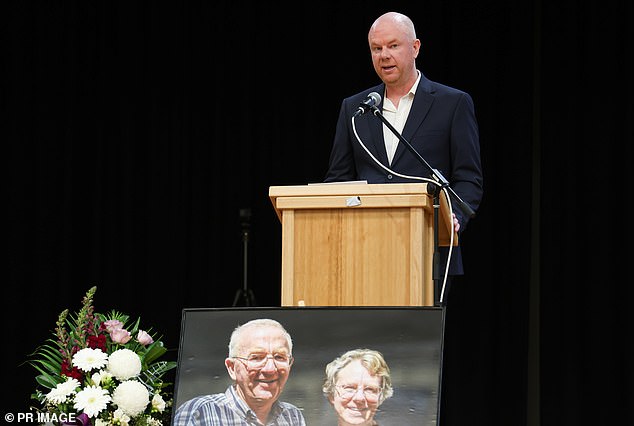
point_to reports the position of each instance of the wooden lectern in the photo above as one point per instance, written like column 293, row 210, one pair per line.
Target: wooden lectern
column 358, row 244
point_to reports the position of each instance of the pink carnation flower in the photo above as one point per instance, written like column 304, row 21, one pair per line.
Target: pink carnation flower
column 112, row 325
column 144, row 338
column 120, row 336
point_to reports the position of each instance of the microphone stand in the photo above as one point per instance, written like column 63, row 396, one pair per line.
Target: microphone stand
column 434, row 189
column 245, row 292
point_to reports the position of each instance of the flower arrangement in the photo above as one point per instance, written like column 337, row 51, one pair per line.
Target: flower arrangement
column 101, row 369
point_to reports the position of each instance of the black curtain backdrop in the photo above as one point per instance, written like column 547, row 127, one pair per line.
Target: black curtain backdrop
column 136, row 131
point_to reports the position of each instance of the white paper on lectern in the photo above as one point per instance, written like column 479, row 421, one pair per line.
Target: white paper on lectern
column 340, row 183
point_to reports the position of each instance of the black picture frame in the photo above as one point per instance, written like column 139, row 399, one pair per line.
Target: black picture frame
column 410, row 339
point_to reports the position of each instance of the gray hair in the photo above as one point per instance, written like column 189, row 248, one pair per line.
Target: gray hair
column 372, row 360
column 234, row 342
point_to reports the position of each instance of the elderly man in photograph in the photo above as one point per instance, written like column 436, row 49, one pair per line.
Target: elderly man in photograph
column 259, row 363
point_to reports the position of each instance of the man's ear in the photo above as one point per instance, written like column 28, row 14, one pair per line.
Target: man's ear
column 231, row 367
column 416, row 47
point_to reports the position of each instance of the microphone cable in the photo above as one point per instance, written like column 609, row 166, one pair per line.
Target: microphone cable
column 447, row 197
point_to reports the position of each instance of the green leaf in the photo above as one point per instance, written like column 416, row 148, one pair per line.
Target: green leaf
column 47, row 360
column 48, row 381
column 154, row 351
column 134, row 328
column 45, row 367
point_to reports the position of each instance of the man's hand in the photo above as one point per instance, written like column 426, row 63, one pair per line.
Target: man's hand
column 456, row 224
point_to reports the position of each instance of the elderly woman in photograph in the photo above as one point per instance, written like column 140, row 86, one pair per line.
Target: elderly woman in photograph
column 356, row 384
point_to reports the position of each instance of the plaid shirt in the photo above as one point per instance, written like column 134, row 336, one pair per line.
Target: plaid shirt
column 227, row 409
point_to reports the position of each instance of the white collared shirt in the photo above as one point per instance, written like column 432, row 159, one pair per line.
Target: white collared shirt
column 397, row 118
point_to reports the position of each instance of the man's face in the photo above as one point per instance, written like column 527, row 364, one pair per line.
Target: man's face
column 393, row 53
column 357, row 394
column 260, row 385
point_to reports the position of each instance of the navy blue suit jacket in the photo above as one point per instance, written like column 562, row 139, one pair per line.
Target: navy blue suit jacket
column 441, row 127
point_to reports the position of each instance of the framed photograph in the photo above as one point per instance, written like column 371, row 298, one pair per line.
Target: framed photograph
column 409, row 338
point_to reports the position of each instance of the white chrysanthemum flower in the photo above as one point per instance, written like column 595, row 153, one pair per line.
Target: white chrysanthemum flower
column 158, row 403
column 62, row 391
column 124, row 364
column 132, row 397
column 92, row 400
column 121, row 416
column 89, row 359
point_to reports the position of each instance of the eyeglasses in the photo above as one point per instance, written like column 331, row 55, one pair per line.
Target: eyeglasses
column 256, row 361
column 371, row 393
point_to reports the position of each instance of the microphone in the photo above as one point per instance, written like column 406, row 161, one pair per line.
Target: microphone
column 372, row 100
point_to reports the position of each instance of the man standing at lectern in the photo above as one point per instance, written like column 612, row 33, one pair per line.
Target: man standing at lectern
column 438, row 121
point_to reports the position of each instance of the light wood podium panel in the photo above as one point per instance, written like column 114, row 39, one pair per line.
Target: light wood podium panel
column 357, row 244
